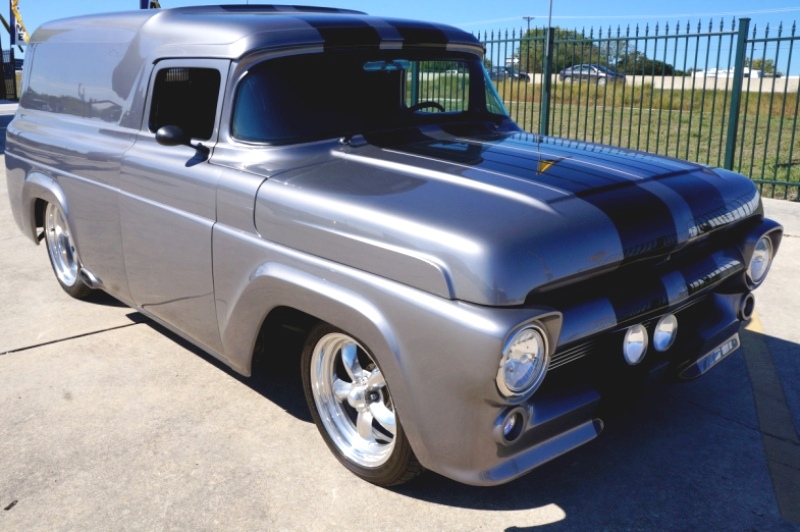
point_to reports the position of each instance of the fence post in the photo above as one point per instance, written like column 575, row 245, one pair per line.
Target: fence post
column 544, row 116
column 736, row 92
column 10, row 87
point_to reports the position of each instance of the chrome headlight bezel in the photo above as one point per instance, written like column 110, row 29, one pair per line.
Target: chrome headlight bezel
column 517, row 354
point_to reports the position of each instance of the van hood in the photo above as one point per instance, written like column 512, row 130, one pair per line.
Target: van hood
column 487, row 219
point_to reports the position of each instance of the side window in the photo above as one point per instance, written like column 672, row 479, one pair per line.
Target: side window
column 88, row 87
column 187, row 98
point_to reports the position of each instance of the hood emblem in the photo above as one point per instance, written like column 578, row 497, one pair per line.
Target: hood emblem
column 545, row 164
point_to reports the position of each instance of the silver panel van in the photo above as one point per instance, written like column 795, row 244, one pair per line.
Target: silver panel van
column 463, row 293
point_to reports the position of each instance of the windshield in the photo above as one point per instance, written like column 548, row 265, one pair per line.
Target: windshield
column 338, row 94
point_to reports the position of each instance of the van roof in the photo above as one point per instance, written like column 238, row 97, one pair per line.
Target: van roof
column 234, row 30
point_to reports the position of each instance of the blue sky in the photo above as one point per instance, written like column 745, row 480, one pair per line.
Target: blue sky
column 487, row 14
column 480, row 15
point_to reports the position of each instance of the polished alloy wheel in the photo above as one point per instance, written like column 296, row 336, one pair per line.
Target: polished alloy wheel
column 60, row 246
column 353, row 400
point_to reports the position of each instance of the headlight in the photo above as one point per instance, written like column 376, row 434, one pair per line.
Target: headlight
column 665, row 332
column 760, row 261
column 524, row 362
column 635, row 344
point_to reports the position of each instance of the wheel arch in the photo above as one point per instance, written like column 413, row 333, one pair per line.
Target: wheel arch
column 38, row 190
column 279, row 294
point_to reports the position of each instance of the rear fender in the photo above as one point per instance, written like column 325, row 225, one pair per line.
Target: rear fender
column 39, row 186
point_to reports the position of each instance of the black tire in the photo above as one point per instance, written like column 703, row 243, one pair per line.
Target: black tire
column 382, row 458
column 62, row 253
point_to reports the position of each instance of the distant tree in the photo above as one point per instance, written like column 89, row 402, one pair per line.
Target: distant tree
column 580, row 49
column 616, row 51
column 767, row 65
column 640, row 65
column 618, row 54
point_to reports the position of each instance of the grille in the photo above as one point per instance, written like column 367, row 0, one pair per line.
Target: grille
column 572, row 354
column 590, row 347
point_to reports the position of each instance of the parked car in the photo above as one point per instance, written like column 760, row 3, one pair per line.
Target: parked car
column 499, row 73
column 464, row 293
column 596, row 73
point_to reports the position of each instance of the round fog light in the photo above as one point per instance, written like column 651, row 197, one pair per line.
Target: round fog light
column 512, row 426
column 665, row 332
column 635, row 344
column 760, row 261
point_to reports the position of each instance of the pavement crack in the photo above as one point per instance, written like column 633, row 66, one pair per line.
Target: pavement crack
column 51, row 342
column 745, row 425
column 723, row 416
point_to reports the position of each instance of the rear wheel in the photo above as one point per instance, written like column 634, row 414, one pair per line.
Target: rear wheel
column 63, row 255
column 353, row 409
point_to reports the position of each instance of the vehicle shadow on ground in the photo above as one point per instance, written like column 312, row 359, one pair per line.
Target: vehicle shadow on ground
column 276, row 375
column 678, row 456
column 98, row 297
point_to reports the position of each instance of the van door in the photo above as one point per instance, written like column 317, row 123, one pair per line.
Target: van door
column 168, row 199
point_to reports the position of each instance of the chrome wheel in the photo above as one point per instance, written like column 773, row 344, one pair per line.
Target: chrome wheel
column 63, row 255
column 352, row 400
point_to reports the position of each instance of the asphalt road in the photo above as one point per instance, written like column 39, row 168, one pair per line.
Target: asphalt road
column 109, row 422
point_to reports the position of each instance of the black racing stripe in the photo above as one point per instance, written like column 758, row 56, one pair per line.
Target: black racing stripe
column 345, row 31
column 420, row 34
column 642, row 163
column 638, row 297
column 705, row 199
column 644, row 222
column 563, row 175
column 710, row 270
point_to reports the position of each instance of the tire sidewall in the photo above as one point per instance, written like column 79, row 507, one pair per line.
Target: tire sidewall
column 78, row 289
column 401, row 465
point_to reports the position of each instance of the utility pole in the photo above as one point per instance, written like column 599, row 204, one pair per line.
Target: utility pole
column 528, row 19
column 528, row 44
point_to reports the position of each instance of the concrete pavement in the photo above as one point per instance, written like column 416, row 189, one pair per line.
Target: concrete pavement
column 109, row 422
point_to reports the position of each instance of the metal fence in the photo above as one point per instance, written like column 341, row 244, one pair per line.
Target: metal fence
column 8, row 88
column 718, row 94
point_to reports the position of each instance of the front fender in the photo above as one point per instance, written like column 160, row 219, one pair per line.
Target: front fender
column 440, row 357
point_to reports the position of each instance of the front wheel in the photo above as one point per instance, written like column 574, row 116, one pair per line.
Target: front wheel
column 62, row 252
column 353, row 409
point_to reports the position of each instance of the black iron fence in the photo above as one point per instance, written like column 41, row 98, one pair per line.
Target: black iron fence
column 8, row 88
column 724, row 95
